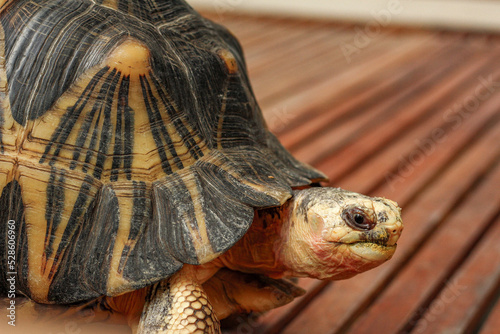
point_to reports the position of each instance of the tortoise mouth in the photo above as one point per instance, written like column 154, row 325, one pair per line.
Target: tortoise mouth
column 378, row 237
column 372, row 250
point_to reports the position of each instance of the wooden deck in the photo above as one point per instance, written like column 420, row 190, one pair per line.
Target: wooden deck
column 406, row 114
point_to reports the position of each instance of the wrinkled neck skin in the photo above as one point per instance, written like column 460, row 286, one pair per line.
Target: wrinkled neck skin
column 259, row 250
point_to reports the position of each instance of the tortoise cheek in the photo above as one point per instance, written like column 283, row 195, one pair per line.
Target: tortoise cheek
column 317, row 223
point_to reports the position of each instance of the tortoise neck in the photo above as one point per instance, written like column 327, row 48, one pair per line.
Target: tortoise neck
column 258, row 251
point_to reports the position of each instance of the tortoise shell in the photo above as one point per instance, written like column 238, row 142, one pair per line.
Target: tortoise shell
column 130, row 143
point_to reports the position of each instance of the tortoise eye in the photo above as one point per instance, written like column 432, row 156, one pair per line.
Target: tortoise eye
column 358, row 219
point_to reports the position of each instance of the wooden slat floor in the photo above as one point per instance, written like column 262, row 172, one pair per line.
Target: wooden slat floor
column 410, row 115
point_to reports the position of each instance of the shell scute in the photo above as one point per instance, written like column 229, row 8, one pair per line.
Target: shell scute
column 213, row 202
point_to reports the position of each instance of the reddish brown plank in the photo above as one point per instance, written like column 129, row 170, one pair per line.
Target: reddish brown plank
column 28, row 323
column 460, row 305
column 278, row 39
column 319, row 94
column 492, row 323
column 370, row 142
column 314, row 58
column 363, row 95
column 406, row 100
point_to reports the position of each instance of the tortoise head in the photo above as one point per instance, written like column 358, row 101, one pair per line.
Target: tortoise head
column 335, row 234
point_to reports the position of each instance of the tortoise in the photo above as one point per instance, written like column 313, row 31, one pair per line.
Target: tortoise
column 136, row 170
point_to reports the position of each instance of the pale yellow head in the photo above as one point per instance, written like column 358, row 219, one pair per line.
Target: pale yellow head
column 335, row 234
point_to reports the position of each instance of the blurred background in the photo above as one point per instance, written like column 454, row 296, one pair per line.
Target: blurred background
column 445, row 14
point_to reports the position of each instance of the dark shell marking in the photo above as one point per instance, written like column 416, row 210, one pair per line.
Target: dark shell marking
column 122, row 168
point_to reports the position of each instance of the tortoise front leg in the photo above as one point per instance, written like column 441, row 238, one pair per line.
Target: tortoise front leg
column 178, row 305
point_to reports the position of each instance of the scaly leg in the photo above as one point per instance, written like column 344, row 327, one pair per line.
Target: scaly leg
column 178, row 305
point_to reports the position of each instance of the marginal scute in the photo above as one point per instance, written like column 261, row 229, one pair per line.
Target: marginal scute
column 143, row 260
column 85, row 266
column 57, row 206
column 10, row 197
column 211, row 204
column 120, row 231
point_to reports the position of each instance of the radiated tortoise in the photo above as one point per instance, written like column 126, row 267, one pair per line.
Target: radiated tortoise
column 137, row 172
